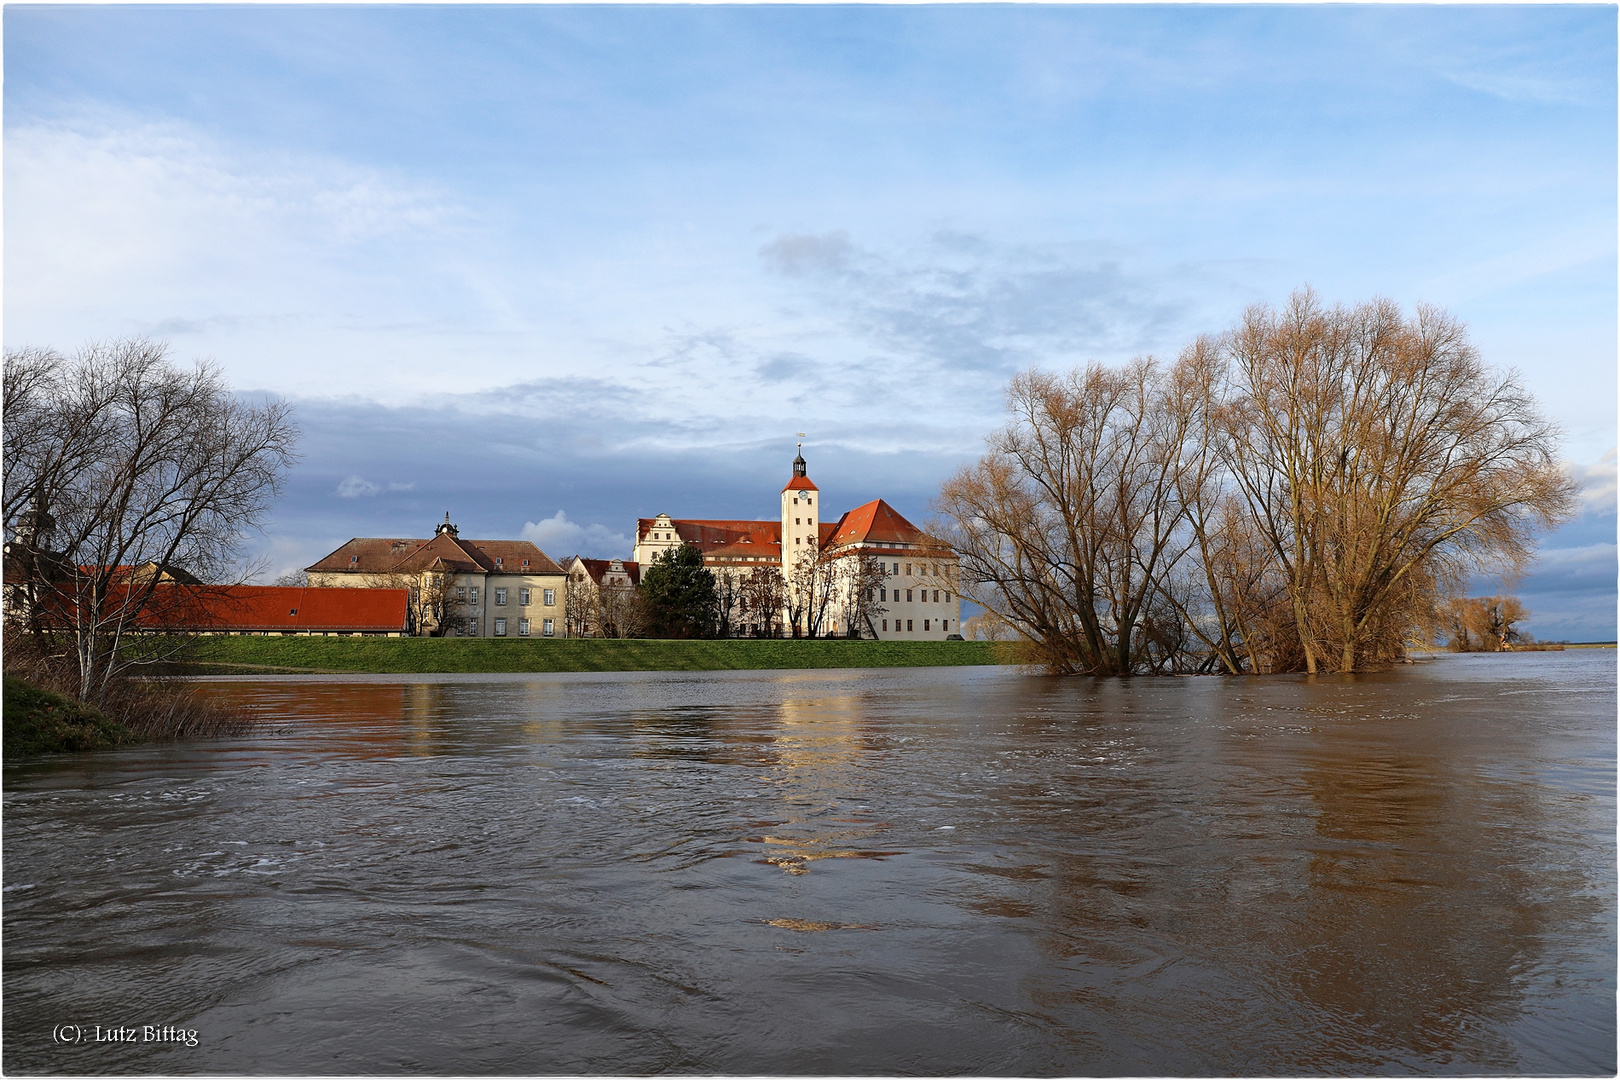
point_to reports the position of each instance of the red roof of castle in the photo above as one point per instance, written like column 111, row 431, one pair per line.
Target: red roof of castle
column 876, row 522
column 598, row 568
column 709, row 533
column 800, row 483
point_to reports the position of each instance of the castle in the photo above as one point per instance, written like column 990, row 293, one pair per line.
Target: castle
column 869, row 573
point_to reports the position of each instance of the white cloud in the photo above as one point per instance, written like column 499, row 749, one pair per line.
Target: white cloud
column 560, row 538
column 294, row 269
column 1598, row 484
column 355, row 487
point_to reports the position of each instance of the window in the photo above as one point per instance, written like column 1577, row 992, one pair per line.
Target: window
column 869, row 593
column 523, row 597
column 808, row 500
column 885, row 626
column 897, row 568
column 497, row 560
column 523, row 628
column 809, row 521
column 548, row 628
column 472, row 627
column 500, row 627
column 550, row 597
column 461, row 593
column 795, row 539
column 883, row 594
column 795, row 521
column 472, row 596
column 908, row 569
column 500, row 597
column 925, row 624
column 908, row 596
column 947, row 598
column 353, row 559
column 294, row 611
column 908, row 624
column 525, row 562
column 936, row 596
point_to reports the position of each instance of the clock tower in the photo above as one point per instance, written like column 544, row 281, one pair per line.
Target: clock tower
column 801, row 509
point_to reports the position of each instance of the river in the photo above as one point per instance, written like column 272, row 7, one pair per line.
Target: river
column 952, row 870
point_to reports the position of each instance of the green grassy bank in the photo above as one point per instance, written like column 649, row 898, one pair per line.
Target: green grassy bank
column 453, row 655
column 40, row 722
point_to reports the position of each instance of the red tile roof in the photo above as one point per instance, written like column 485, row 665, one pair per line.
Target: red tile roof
column 271, row 607
column 800, row 483
column 598, row 568
column 876, row 522
column 382, row 555
column 709, row 533
column 274, row 608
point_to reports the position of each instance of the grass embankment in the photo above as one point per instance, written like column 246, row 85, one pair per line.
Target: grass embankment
column 400, row 656
column 40, row 722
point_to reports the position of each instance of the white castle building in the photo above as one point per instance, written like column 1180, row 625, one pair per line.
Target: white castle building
column 868, row 573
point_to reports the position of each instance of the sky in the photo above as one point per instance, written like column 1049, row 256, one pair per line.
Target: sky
column 550, row 269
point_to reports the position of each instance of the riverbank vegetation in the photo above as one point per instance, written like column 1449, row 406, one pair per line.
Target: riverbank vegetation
column 1304, row 492
column 126, row 474
column 459, row 655
column 41, row 722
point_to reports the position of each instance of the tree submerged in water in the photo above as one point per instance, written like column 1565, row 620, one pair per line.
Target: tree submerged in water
column 1302, row 493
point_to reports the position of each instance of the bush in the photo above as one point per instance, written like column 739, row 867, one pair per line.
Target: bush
column 138, row 709
column 41, row 722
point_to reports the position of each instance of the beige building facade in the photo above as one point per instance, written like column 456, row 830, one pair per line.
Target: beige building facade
column 459, row 588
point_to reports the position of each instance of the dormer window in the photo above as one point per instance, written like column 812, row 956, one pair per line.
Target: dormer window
column 353, row 560
column 525, row 562
column 497, row 560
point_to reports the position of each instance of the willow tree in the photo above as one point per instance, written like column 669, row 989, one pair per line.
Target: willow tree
column 1300, row 492
column 1382, row 464
column 1068, row 525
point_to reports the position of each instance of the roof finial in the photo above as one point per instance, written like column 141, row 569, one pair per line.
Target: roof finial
column 798, row 462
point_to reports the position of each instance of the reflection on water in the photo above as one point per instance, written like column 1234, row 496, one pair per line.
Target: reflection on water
column 930, row 871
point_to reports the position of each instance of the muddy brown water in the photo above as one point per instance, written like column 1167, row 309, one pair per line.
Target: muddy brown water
column 906, row 871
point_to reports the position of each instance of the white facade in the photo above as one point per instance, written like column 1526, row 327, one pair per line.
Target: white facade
column 917, row 597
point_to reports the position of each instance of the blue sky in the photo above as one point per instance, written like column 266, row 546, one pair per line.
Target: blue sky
column 554, row 268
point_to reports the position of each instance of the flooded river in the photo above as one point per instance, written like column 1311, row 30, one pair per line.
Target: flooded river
column 901, row 871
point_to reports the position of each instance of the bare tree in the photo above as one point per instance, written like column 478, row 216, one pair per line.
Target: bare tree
column 622, row 611
column 581, row 604
column 1482, row 623
column 1068, row 526
column 763, row 597
column 812, row 581
column 857, row 576
column 152, row 476
column 1382, row 463
column 728, row 590
column 1294, row 494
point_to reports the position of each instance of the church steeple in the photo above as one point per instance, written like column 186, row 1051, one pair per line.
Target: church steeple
column 798, row 464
